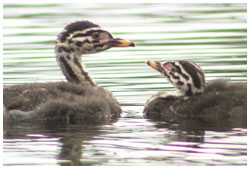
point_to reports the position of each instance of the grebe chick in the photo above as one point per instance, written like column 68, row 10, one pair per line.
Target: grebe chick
column 194, row 98
column 78, row 100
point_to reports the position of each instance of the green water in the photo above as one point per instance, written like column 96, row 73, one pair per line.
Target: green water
column 212, row 35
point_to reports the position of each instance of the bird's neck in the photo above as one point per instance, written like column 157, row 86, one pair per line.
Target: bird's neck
column 72, row 66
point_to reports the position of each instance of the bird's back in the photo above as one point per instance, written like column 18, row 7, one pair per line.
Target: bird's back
column 64, row 101
column 221, row 99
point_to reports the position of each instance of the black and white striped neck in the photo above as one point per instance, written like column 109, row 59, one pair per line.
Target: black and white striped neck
column 79, row 38
column 72, row 66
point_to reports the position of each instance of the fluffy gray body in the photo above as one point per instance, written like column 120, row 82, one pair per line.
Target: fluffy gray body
column 61, row 102
column 219, row 100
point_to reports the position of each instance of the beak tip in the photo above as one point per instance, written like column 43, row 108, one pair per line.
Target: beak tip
column 132, row 44
column 121, row 43
column 154, row 65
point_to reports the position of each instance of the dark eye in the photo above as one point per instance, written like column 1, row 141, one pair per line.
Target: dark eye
column 95, row 35
column 173, row 69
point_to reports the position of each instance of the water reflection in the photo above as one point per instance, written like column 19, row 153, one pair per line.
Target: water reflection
column 70, row 139
column 121, row 143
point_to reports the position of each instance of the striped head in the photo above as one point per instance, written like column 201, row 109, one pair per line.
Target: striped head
column 78, row 38
column 186, row 76
column 84, row 37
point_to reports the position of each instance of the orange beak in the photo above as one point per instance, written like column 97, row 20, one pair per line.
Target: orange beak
column 155, row 65
column 120, row 43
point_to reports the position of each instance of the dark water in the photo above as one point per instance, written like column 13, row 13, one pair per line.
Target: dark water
column 212, row 35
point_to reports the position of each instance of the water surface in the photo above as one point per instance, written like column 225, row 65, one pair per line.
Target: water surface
column 212, row 35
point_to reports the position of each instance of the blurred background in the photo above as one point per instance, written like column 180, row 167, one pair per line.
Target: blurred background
column 212, row 35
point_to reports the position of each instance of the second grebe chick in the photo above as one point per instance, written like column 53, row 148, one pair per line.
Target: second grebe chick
column 194, row 98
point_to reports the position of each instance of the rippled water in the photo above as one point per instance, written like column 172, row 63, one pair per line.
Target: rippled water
column 212, row 35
